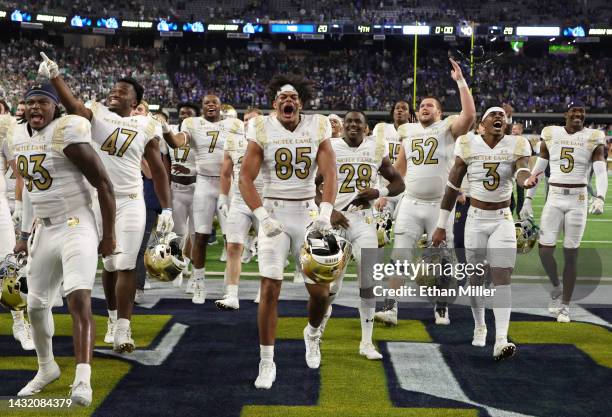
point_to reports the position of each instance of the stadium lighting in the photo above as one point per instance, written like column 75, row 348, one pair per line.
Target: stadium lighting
column 415, row 30
column 551, row 39
column 538, row 31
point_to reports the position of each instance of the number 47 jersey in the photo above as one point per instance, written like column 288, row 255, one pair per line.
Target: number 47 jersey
column 122, row 142
column 289, row 164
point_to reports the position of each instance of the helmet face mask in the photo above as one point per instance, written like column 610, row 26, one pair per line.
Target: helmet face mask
column 383, row 227
column 14, row 288
column 324, row 256
column 163, row 257
column 527, row 233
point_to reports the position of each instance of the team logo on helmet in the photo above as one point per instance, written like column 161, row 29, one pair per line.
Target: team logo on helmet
column 163, row 257
column 324, row 256
column 527, row 233
column 228, row 112
column 14, row 289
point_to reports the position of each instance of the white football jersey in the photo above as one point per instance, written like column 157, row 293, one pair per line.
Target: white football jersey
column 7, row 127
column 54, row 184
column 490, row 172
column 207, row 139
column 358, row 167
column 393, row 137
column 429, row 157
column 289, row 163
column 570, row 154
column 121, row 145
column 236, row 147
column 182, row 157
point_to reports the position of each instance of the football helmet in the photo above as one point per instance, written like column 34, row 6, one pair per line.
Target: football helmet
column 324, row 255
column 437, row 266
column 14, row 289
column 527, row 233
column 163, row 257
column 383, row 227
column 228, row 112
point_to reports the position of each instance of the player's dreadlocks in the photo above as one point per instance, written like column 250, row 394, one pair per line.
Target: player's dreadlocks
column 303, row 86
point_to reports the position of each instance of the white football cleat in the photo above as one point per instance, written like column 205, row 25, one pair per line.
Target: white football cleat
column 388, row 315
column 555, row 301
column 441, row 316
column 147, row 284
column 199, row 293
column 326, row 317
column 228, row 303
column 178, row 281
column 503, row 349
column 41, row 380
column 480, row 336
column 247, row 255
column 23, row 334
column 257, row 297
column 190, row 286
column 123, row 341
column 59, row 301
column 368, row 350
column 563, row 316
column 267, row 374
column 298, row 278
column 109, row 337
column 81, row 393
column 313, row 351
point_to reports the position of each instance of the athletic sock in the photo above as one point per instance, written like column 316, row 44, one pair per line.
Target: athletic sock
column 112, row 314
column 501, row 309
column 478, row 310
column 83, row 373
column 266, row 352
column 366, row 314
column 312, row 331
column 123, row 323
column 232, row 290
column 199, row 274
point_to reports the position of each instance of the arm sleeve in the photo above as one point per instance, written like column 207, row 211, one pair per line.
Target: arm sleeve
column 27, row 214
column 601, row 178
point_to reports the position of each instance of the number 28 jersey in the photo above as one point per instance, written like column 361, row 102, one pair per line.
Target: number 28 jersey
column 289, row 163
column 490, row 172
column 570, row 154
column 122, row 142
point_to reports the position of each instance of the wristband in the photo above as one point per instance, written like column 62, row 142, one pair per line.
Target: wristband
column 452, row 186
column 325, row 210
column 443, row 218
column 261, row 213
column 24, row 236
column 18, row 204
column 462, row 83
column 222, row 199
column 167, row 209
column 382, row 191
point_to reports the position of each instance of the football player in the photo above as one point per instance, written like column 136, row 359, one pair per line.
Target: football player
column 288, row 147
column 336, row 124
column 21, row 327
column 359, row 160
column 124, row 141
column 239, row 215
column 182, row 183
column 425, row 159
column 206, row 137
column 56, row 160
column 491, row 162
column 572, row 150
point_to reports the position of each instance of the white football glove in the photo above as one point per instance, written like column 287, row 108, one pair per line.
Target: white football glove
column 165, row 223
column 271, row 227
column 323, row 223
column 48, row 68
column 527, row 210
column 222, row 205
column 597, row 206
column 165, row 127
column 17, row 213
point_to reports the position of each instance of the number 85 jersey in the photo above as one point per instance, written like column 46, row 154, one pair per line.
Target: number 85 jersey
column 289, row 163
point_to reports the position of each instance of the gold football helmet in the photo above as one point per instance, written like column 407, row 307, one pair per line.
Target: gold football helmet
column 324, row 256
column 228, row 112
column 163, row 257
column 527, row 233
column 14, row 289
column 383, row 227
column 435, row 267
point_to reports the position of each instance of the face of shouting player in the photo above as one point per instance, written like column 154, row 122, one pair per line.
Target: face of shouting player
column 429, row 111
column 288, row 106
column 574, row 118
column 495, row 124
column 39, row 111
column 211, row 108
column 355, row 128
column 401, row 113
column 122, row 99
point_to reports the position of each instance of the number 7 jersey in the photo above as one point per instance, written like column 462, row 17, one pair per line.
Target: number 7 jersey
column 289, row 163
column 122, row 142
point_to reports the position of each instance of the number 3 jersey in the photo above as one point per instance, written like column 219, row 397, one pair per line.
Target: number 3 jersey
column 429, row 158
column 55, row 185
column 570, row 154
column 357, row 167
column 207, row 139
column 122, row 142
column 289, row 162
column 490, row 172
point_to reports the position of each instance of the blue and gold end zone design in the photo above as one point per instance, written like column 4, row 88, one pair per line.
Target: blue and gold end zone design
column 427, row 370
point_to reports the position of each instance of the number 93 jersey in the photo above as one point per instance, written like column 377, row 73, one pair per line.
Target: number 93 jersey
column 289, row 163
column 570, row 154
column 357, row 167
column 122, row 142
column 55, row 185
column 490, row 172
column 207, row 140
column 429, row 157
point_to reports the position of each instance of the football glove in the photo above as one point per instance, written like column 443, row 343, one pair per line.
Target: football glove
column 17, row 213
column 222, row 205
column 165, row 223
column 597, row 206
column 323, row 223
column 47, row 69
column 527, row 210
column 271, row 227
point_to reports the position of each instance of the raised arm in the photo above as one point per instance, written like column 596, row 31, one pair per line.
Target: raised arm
column 462, row 124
